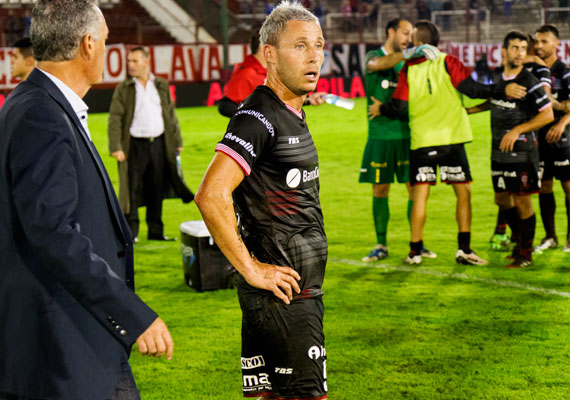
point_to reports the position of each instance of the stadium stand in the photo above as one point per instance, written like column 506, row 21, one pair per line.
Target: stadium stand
column 130, row 22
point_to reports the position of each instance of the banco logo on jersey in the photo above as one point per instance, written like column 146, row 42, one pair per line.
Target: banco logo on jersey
column 253, row 362
column 295, row 175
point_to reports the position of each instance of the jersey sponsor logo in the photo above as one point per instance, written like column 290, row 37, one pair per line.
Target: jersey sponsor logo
column 316, row 352
column 294, row 140
column 253, row 362
column 254, row 382
column 260, row 117
column 294, row 176
column 310, row 175
column 564, row 163
column 385, row 84
column 283, row 371
column 246, row 145
column 504, row 103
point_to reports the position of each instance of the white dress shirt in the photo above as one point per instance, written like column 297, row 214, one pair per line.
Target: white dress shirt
column 74, row 100
column 147, row 119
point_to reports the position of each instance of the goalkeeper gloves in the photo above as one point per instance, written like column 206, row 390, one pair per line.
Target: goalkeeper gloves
column 425, row 50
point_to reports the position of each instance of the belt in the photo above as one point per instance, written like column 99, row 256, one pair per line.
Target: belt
column 150, row 140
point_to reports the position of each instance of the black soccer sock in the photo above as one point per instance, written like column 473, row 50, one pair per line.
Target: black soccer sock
column 416, row 247
column 513, row 219
column 547, row 210
column 501, row 227
column 528, row 228
column 464, row 241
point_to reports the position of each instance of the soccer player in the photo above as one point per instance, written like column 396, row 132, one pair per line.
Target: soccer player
column 22, row 61
column 514, row 156
column 268, row 162
column 387, row 150
column 427, row 95
column 554, row 139
column 500, row 239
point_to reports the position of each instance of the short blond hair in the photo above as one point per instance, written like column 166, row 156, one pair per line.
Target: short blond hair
column 276, row 22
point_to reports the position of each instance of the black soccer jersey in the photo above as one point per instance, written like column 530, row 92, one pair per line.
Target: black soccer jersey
column 560, row 76
column 506, row 113
column 541, row 72
column 278, row 201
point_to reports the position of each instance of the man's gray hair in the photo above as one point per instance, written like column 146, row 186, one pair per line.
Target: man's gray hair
column 276, row 22
column 58, row 26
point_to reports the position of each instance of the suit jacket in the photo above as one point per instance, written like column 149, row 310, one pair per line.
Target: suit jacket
column 68, row 312
column 121, row 113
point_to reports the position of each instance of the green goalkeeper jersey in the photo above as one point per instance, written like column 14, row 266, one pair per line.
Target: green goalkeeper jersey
column 381, row 85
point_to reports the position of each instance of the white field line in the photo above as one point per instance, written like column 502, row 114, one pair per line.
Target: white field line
column 461, row 276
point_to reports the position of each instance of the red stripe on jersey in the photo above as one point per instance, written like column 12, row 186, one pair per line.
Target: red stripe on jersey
column 265, row 394
column 326, row 396
column 283, row 202
column 295, row 111
column 222, row 148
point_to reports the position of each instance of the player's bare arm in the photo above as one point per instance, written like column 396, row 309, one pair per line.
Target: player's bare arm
column 485, row 106
column 555, row 132
column 544, row 117
column 383, row 63
column 556, row 105
column 214, row 200
column 534, row 59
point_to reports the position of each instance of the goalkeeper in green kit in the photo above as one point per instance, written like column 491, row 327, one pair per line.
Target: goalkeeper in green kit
column 387, row 150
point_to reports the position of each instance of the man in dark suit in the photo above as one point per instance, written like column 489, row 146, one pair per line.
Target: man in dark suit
column 68, row 313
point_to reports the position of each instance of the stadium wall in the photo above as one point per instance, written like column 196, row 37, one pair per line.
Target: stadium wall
column 197, row 75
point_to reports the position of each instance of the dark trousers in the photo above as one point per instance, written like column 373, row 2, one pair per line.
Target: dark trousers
column 147, row 167
column 126, row 388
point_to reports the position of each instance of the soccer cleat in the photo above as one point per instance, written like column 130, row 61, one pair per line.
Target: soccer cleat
column 519, row 262
column 566, row 248
column 428, row 254
column 469, row 258
column 378, row 253
column 545, row 244
column 413, row 259
column 500, row 242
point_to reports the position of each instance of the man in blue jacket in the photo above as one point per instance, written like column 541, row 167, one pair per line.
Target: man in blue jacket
column 68, row 311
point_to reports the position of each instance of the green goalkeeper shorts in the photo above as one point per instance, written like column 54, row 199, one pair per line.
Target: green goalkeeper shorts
column 383, row 159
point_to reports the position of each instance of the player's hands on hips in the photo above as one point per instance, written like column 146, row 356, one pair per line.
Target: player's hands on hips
column 282, row 281
column 156, row 340
column 555, row 132
column 317, row 98
column 119, row 155
column 515, row 91
column 509, row 140
column 374, row 108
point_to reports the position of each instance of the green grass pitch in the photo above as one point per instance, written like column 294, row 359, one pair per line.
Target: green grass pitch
column 438, row 331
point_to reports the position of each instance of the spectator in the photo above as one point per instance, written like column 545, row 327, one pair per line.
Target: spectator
column 482, row 73
column 144, row 137
column 423, row 10
column 447, row 6
column 22, row 61
column 507, row 8
column 319, row 12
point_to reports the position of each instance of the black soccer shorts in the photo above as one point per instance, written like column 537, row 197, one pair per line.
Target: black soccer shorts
column 451, row 159
column 554, row 162
column 283, row 351
column 515, row 178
